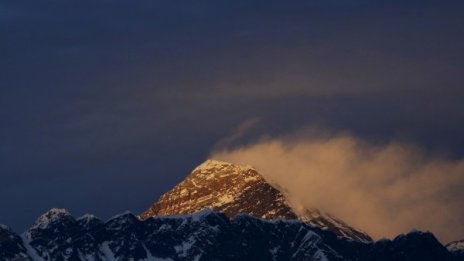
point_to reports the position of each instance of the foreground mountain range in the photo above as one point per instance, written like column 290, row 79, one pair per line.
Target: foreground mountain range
column 205, row 235
column 221, row 211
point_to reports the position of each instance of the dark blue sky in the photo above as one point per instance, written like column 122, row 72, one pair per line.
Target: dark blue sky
column 105, row 105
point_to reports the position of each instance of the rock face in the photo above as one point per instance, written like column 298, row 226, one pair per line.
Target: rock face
column 456, row 248
column 11, row 245
column 204, row 235
column 234, row 189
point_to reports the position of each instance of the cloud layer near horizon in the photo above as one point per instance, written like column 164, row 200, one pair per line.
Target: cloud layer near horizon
column 384, row 189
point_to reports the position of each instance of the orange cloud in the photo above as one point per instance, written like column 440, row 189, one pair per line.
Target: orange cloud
column 383, row 189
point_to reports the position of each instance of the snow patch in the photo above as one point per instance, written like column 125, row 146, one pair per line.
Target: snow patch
column 320, row 256
column 274, row 252
column 224, row 199
column 87, row 217
column 105, row 249
column 197, row 216
column 5, row 227
column 455, row 246
column 211, row 164
column 30, row 250
column 182, row 250
column 120, row 215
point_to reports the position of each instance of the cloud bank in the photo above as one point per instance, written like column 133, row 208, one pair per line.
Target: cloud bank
column 383, row 189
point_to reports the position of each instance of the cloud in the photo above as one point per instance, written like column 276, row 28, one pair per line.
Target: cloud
column 237, row 133
column 383, row 189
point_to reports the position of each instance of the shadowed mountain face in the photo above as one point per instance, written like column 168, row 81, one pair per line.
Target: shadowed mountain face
column 204, row 235
column 234, row 189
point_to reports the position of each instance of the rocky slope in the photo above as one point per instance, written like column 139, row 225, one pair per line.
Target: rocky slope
column 205, row 235
column 234, row 189
column 456, row 248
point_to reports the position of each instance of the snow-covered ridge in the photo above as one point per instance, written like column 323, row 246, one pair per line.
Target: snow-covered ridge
column 206, row 235
column 456, row 246
column 86, row 217
column 211, row 165
column 49, row 217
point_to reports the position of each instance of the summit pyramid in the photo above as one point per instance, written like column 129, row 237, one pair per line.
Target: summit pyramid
column 234, row 189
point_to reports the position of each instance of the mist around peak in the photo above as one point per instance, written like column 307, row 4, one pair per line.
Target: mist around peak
column 383, row 189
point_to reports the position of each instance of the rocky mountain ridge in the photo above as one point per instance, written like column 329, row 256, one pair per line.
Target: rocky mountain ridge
column 234, row 189
column 456, row 248
column 204, row 235
column 221, row 211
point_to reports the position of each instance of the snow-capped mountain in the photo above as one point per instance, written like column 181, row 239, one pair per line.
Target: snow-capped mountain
column 220, row 211
column 204, row 235
column 234, row 189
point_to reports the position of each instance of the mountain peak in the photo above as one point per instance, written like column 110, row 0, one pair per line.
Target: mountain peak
column 212, row 163
column 49, row 217
column 234, row 189
column 212, row 166
column 86, row 217
column 213, row 184
column 4, row 227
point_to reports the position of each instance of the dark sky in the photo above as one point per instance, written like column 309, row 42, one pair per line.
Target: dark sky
column 105, row 105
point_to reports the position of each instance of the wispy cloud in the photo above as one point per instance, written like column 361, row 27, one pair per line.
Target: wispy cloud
column 237, row 133
column 383, row 189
